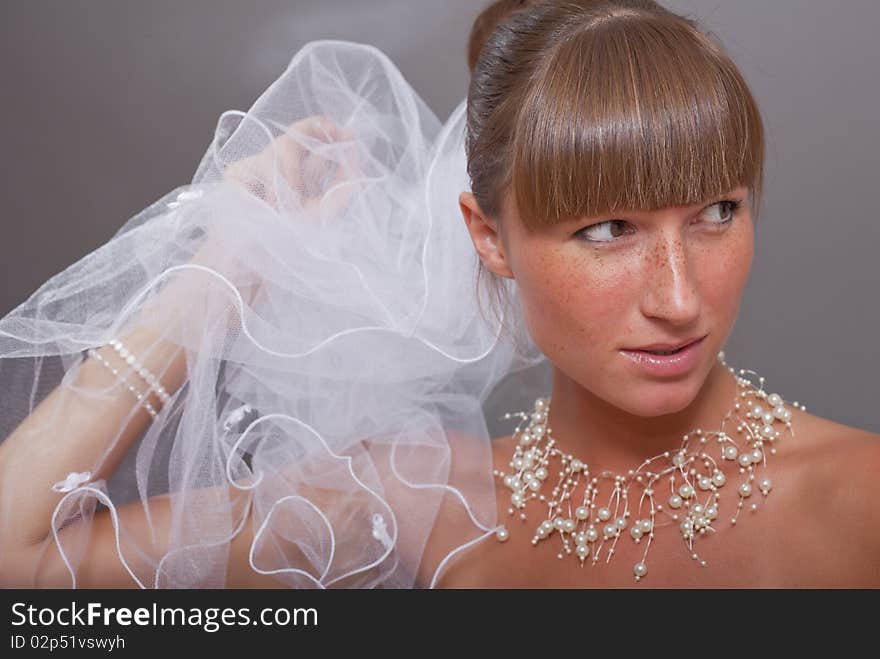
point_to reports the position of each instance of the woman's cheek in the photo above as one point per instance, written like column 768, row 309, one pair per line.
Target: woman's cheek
column 726, row 271
column 570, row 310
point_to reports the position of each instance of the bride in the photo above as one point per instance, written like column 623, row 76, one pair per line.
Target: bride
column 275, row 376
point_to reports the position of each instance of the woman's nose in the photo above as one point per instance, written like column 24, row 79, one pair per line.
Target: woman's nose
column 671, row 292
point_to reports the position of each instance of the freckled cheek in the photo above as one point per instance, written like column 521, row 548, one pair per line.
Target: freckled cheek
column 724, row 274
column 573, row 310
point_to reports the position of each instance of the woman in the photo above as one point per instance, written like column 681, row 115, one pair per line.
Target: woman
column 292, row 350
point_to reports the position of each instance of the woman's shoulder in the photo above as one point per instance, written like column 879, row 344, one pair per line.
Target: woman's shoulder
column 836, row 479
column 831, row 450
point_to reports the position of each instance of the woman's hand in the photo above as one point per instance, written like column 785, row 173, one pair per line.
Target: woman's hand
column 323, row 176
column 314, row 161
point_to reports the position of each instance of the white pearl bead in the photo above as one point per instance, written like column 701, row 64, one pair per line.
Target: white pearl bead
column 719, row 479
column 547, row 526
column 516, row 499
column 757, row 455
column 697, row 509
column 640, row 569
column 745, row 489
column 541, row 473
column 774, row 399
column 744, row 460
column 712, row 511
column 610, row 530
column 675, row 501
column 568, row 526
column 604, row 514
column 538, row 430
column 576, row 465
column 502, row 534
column 581, row 512
column 592, row 535
column 768, row 431
column 705, row 483
column 765, row 485
column 635, row 532
column 535, row 485
column 582, row 551
column 645, row 525
column 779, row 412
column 768, row 418
column 558, row 523
column 678, row 459
column 525, row 439
column 730, row 452
column 621, row 523
column 686, row 491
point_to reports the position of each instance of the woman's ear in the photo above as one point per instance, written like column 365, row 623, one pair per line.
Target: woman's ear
column 485, row 236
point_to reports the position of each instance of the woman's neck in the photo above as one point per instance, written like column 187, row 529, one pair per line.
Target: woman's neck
column 609, row 438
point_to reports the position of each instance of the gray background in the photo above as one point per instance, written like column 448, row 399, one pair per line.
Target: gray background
column 109, row 104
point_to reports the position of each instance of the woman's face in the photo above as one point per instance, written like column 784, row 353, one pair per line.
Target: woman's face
column 592, row 287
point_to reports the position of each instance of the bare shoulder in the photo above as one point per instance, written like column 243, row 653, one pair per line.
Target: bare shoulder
column 835, row 454
column 847, row 464
column 838, row 486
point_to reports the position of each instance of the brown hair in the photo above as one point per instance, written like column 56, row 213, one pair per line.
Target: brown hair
column 581, row 108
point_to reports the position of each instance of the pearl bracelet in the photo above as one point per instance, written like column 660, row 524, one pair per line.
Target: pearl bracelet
column 141, row 370
column 134, row 390
column 148, row 377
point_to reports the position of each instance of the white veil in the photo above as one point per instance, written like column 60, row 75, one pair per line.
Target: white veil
column 320, row 282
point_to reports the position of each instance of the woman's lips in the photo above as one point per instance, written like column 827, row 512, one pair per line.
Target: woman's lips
column 678, row 363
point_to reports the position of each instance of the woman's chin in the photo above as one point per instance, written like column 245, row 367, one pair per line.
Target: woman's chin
column 656, row 399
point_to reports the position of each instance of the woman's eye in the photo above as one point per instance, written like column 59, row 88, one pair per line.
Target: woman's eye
column 731, row 206
column 610, row 230
column 603, row 232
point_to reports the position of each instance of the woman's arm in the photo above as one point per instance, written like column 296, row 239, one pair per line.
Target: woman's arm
column 72, row 429
column 89, row 422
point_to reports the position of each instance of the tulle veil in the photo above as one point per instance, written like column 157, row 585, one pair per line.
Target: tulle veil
column 319, row 280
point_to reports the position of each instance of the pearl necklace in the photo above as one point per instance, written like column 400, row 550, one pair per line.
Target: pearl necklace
column 591, row 527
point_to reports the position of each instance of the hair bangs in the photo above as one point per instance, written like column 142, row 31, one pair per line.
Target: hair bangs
column 633, row 115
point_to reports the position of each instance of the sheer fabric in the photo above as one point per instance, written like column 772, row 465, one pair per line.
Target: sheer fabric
column 318, row 280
